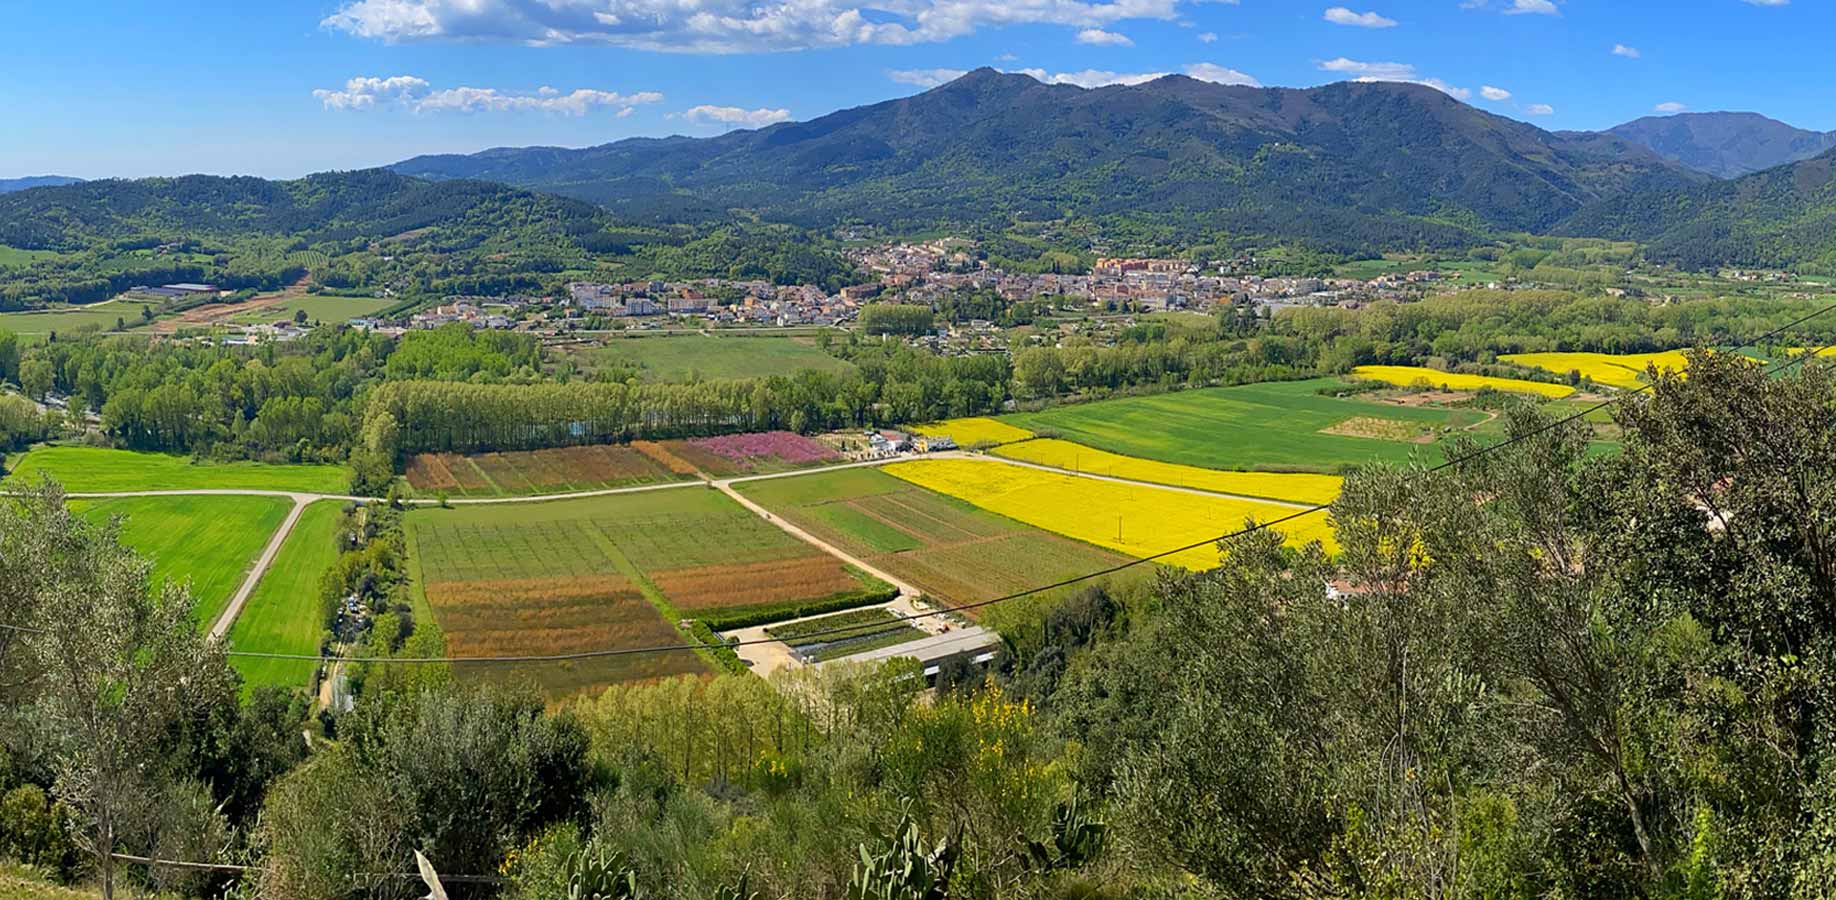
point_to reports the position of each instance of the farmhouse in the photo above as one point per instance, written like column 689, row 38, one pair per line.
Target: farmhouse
column 976, row 645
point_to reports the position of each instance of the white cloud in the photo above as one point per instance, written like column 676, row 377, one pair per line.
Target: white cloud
column 360, row 92
column 733, row 115
column 1669, row 107
column 1391, row 71
column 414, row 94
column 721, row 26
column 1770, row 2
column 1208, row 37
column 1339, row 15
column 1103, row 38
column 1215, row 73
column 1386, row 71
column 1533, row 7
column 1493, row 93
column 1539, row 109
column 1625, row 51
column 1096, row 78
column 927, row 78
column 1092, row 78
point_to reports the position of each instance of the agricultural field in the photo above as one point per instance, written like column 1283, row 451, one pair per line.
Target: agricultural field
column 99, row 316
column 1276, row 426
column 683, row 357
column 607, row 572
column 1138, row 521
column 974, row 430
column 1626, row 370
column 283, row 614
column 15, row 257
column 846, row 634
column 1409, row 376
column 318, row 308
column 1293, row 487
column 759, row 453
column 953, row 551
column 100, row 470
column 531, row 472
column 209, row 541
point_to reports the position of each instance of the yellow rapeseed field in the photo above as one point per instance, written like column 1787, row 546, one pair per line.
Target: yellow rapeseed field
column 974, row 430
column 1139, row 521
column 1619, row 370
column 1294, row 487
column 1409, row 375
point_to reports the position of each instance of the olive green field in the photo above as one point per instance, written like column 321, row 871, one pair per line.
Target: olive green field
column 709, row 356
column 1275, row 426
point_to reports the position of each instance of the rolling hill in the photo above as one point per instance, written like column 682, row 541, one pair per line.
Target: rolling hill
column 1725, row 144
column 9, row 185
column 331, row 206
column 1348, row 166
column 1783, row 217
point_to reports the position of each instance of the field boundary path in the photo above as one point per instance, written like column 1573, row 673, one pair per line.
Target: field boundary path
column 230, row 612
column 301, row 500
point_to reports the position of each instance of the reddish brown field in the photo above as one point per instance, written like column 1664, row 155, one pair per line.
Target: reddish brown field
column 536, row 472
column 754, row 584
column 557, row 616
column 663, row 456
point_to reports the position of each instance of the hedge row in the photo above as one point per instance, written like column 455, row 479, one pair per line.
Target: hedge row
column 765, row 615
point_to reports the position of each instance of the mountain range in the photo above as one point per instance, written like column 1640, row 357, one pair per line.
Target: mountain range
column 1725, row 144
column 8, row 185
column 1348, row 166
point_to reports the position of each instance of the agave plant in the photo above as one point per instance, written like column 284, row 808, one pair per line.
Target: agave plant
column 906, row 869
column 1077, row 838
column 595, row 873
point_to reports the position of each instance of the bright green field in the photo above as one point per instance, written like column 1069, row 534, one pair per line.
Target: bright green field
column 282, row 616
column 678, row 357
column 210, row 540
column 1272, row 426
column 318, row 307
column 13, row 256
column 100, row 315
column 99, row 470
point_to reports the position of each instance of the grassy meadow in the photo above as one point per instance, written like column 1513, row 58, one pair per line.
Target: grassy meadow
column 679, row 357
column 1138, row 521
column 318, row 307
column 210, row 541
column 99, row 316
column 1276, row 426
column 283, row 615
column 100, row 470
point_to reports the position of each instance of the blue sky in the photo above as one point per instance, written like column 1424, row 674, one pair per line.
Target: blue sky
column 281, row 88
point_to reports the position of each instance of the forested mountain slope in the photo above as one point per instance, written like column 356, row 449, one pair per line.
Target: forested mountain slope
column 1345, row 166
column 330, row 206
column 9, row 185
column 1784, row 217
